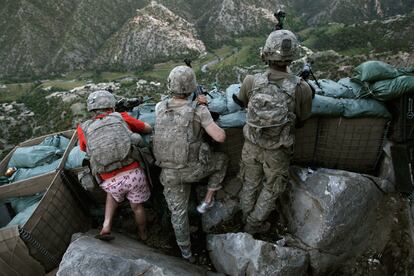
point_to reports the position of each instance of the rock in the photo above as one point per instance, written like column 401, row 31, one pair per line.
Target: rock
column 234, row 18
column 240, row 254
column 122, row 256
column 222, row 211
column 386, row 169
column 135, row 44
column 339, row 215
column 225, row 207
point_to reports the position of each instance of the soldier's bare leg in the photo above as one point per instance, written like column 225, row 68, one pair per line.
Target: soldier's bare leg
column 209, row 196
column 110, row 208
column 140, row 219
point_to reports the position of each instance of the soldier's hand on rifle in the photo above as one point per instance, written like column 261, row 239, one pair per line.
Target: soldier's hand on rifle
column 201, row 99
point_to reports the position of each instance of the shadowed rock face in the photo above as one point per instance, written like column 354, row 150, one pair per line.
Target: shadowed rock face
column 122, row 256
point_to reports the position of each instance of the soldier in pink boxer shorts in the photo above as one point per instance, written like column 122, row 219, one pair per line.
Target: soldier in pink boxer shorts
column 108, row 139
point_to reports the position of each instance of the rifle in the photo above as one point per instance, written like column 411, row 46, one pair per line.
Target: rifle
column 305, row 73
column 280, row 16
column 127, row 105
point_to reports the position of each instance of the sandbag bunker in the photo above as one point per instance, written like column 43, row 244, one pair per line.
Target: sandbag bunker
column 40, row 209
column 340, row 204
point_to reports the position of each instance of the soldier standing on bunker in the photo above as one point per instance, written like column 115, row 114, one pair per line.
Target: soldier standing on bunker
column 108, row 139
column 276, row 100
column 182, row 154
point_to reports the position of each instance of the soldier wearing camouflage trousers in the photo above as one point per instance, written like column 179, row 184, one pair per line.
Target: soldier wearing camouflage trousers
column 276, row 100
column 182, row 154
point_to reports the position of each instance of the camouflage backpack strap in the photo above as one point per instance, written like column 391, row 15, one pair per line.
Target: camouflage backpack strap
column 260, row 80
column 289, row 85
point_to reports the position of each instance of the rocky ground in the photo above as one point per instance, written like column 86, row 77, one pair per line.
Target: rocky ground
column 383, row 246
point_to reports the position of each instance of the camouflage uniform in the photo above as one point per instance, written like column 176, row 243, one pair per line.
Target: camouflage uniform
column 275, row 100
column 181, row 152
column 177, row 189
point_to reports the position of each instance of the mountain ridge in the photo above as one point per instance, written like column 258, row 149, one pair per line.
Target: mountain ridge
column 39, row 38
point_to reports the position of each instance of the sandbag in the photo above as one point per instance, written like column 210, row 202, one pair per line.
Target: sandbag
column 364, row 108
column 326, row 106
column 22, row 217
column 4, row 180
column 236, row 119
column 34, row 156
column 217, row 102
column 20, row 203
column 58, row 141
column 373, row 70
column 75, row 158
column 390, row 89
column 231, row 105
column 332, row 89
column 406, row 70
column 359, row 89
column 147, row 113
column 25, row 173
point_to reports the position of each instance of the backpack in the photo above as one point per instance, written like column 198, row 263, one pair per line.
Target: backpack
column 270, row 111
column 175, row 144
column 108, row 143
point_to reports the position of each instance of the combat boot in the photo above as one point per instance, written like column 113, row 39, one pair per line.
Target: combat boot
column 186, row 253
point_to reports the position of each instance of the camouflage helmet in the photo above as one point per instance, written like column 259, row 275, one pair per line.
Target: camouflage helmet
column 281, row 45
column 100, row 99
column 182, row 81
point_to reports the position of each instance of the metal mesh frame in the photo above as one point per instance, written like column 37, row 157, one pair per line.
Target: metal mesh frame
column 305, row 142
column 58, row 216
column 337, row 143
column 350, row 144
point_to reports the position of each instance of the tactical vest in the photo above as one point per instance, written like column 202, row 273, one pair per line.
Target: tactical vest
column 176, row 143
column 108, row 143
column 270, row 114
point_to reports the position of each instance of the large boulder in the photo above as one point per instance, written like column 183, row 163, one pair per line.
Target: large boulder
column 122, row 256
column 222, row 215
column 222, row 212
column 240, row 254
column 338, row 215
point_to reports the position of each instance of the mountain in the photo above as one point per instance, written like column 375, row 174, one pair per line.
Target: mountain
column 349, row 11
column 43, row 37
column 39, row 38
column 392, row 35
column 154, row 34
column 231, row 18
